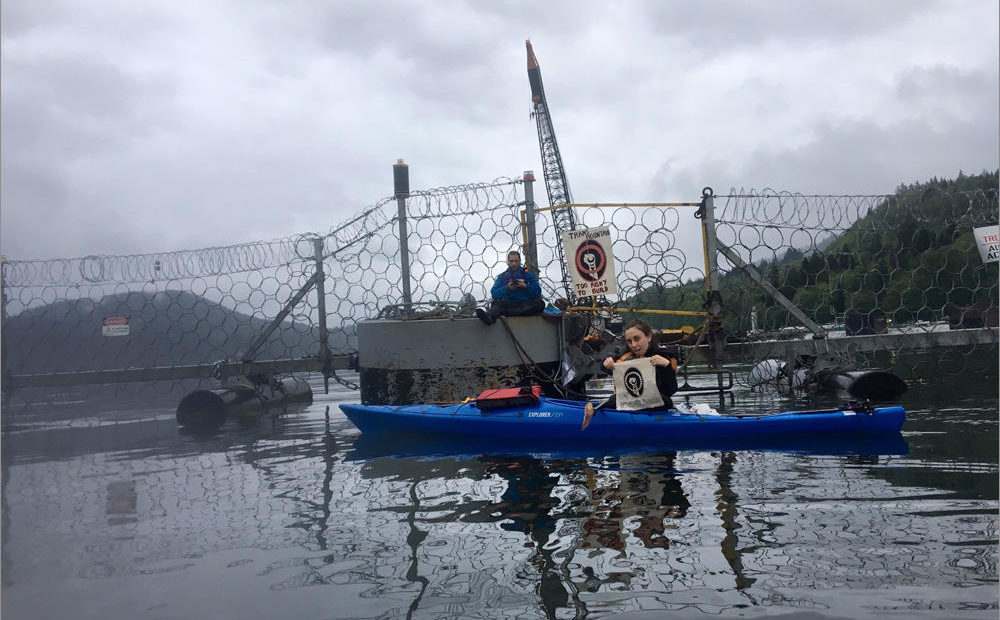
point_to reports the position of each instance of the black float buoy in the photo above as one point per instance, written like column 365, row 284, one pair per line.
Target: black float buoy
column 211, row 408
column 870, row 385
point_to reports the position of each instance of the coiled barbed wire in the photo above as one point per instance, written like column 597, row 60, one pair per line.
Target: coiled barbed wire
column 458, row 238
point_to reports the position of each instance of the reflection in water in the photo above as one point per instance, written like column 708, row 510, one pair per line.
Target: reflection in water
column 526, row 506
column 121, row 502
column 413, row 539
column 638, row 497
column 728, row 507
column 292, row 518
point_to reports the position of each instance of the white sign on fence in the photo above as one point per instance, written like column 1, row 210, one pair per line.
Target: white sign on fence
column 635, row 385
column 115, row 326
column 591, row 264
column 988, row 240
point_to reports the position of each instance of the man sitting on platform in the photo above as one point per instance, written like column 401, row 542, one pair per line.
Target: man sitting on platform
column 515, row 293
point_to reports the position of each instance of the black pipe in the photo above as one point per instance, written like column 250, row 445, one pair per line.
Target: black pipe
column 210, row 408
column 873, row 385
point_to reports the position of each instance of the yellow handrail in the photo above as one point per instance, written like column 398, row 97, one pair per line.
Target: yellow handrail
column 637, row 310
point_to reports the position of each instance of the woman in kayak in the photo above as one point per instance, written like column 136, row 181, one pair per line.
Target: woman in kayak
column 640, row 343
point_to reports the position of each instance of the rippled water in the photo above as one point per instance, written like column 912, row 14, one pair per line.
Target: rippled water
column 110, row 512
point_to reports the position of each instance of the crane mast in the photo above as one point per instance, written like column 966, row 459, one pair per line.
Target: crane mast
column 556, row 184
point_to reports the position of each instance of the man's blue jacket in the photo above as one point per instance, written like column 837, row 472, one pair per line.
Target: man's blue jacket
column 531, row 288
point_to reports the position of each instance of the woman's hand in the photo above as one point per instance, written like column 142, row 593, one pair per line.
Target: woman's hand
column 659, row 360
column 609, row 363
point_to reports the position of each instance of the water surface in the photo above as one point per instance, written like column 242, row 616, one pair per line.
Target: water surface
column 109, row 511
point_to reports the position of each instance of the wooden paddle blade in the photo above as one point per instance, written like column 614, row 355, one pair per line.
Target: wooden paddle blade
column 588, row 413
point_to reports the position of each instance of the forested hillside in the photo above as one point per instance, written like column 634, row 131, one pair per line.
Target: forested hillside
column 912, row 257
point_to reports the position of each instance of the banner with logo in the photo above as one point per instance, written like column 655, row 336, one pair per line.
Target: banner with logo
column 635, row 385
column 988, row 240
column 591, row 264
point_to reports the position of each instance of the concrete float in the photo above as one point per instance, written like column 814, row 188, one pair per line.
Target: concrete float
column 434, row 360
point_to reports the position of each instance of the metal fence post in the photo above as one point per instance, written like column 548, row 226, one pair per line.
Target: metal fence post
column 324, row 347
column 531, row 249
column 711, row 243
column 713, row 298
column 401, row 183
column 5, row 379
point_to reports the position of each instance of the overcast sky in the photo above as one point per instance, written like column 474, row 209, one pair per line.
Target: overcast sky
column 137, row 126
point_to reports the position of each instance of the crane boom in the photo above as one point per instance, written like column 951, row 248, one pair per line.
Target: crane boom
column 556, row 184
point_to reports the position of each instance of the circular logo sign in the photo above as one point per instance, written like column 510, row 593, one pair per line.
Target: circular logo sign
column 634, row 382
column 591, row 261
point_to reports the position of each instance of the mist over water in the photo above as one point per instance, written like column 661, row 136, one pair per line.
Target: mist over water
column 111, row 511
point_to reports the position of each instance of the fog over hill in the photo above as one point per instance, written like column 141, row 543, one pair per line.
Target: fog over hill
column 165, row 328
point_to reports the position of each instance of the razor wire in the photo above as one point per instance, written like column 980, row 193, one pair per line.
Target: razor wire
column 203, row 306
column 855, row 264
column 206, row 306
column 457, row 237
column 864, row 265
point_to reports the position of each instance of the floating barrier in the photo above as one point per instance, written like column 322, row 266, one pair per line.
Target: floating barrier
column 872, row 385
column 207, row 408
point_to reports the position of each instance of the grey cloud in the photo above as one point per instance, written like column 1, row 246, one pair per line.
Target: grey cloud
column 86, row 89
column 740, row 23
column 265, row 119
column 423, row 37
column 850, row 157
column 139, row 23
column 949, row 90
column 32, row 197
column 56, row 113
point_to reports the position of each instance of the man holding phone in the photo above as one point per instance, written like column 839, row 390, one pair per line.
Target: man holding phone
column 515, row 293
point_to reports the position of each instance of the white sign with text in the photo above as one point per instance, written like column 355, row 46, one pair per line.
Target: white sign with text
column 591, row 264
column 988, row 240
column 115, row 326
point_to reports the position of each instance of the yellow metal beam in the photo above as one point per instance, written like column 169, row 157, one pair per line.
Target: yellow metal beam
column 637, row 311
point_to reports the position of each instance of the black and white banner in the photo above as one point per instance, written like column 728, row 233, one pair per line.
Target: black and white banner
column 635, row 385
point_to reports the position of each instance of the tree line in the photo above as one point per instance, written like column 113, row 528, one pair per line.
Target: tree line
column 910, row 258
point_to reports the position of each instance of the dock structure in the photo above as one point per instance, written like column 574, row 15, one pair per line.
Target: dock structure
column 448, row 360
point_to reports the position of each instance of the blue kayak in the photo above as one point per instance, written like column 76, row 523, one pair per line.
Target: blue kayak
column 555, row 418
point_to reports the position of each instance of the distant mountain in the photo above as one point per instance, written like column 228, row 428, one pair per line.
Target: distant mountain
column 165, row 328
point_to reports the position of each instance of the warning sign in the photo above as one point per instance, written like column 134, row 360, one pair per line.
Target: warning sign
column 115, row 326
column 592, row 266
column 988, row 240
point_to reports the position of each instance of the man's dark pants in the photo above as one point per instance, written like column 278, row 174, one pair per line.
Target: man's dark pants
column 502, row 307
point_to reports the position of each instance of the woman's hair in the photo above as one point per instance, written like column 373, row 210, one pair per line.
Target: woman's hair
column 641, row 325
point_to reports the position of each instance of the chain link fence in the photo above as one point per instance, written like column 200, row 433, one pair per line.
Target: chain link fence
column 856, row 266
column 204, row 307
column 458, row 238
column 887, row 281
